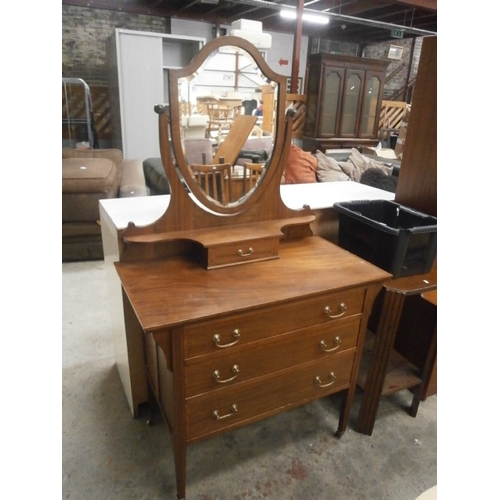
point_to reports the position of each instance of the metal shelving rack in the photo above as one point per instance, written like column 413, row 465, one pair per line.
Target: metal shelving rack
column 74, row 118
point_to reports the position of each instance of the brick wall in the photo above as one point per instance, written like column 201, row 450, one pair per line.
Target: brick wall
column 85, row 31
column 84, row 35
column 399, row 69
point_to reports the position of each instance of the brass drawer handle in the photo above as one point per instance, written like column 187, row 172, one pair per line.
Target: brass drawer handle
column 326, row 384
column 241, row 253
column 216, row 375
column 342, row 308
column 216, row 416
column 216, row 339
column 337, row 341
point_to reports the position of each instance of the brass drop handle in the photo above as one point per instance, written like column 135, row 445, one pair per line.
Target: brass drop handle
column 216, row 375
column 326, row 384
column 342, row 308
column 241, row 253
column 337, row 341
column 216, row 339
column 216, row 416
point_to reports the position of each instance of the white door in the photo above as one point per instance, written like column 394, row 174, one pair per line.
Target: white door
column 141, row 88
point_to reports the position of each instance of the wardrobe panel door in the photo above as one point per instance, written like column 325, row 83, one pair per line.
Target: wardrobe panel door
column 332, row 90
column 351, row 104
column 141, row 87
column 369, row 107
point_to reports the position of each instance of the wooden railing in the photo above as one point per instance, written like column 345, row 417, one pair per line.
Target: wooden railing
column 392, row 114
column 403, row 94
column 298, row 102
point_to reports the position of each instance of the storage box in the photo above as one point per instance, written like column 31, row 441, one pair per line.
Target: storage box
column 398, row 239
column 260, row 40
column 247, row 25
column 385, row 153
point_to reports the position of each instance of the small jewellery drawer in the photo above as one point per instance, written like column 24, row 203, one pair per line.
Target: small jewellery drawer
column 264, row 396
column 238, row 329
column 241, row 252
column 224, row 369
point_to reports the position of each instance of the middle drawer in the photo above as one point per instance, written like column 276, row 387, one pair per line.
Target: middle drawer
column 225, row 368
column 227, row 333
column 219, row 411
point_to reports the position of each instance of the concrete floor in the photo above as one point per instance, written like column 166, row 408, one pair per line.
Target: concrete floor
column 107, row 455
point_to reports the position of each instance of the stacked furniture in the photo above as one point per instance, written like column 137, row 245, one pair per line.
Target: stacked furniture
column 89, row 175
column 194, row 126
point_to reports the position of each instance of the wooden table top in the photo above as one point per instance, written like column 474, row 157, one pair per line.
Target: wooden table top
column 431, row 297
column 177, row 290
column 418, row 283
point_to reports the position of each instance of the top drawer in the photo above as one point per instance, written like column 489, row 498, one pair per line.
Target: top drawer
column 241, row 328
column 241, row 252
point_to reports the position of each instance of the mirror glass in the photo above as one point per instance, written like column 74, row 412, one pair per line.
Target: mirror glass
column 227, row 125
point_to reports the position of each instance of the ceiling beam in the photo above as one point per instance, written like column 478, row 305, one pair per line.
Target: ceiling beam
column 346, row 18
column 341, row 13
column 423, row 4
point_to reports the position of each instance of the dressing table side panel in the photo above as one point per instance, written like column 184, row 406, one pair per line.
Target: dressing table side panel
column 130, row 356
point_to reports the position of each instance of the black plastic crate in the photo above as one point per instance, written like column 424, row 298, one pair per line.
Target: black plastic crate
column 396, row 238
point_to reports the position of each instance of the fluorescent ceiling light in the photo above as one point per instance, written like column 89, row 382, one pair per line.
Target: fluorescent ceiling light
column 306, row 16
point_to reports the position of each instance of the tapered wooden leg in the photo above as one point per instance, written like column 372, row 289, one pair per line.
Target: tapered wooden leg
column 421, row 390
column 344, row 413
column 386, row 333
column 180, row 468
column 415, row 402
column 178, row 426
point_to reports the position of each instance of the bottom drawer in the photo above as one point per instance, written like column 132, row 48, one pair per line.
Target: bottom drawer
column 233, row 407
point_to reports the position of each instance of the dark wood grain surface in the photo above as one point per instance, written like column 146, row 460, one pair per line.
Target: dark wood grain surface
column 179, row 290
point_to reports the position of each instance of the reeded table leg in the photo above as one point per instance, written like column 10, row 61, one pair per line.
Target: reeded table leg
column 386, row 333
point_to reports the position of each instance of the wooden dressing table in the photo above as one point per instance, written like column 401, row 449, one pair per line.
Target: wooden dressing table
column 242, row 313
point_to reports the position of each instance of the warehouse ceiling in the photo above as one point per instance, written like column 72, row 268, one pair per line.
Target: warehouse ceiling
column 359, row 21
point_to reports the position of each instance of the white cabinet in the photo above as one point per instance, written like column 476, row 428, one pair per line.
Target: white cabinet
column 138, row 64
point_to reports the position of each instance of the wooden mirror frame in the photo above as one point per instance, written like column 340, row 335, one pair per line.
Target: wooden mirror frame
column 192, row 217
column 175, row 117
column 207, row 52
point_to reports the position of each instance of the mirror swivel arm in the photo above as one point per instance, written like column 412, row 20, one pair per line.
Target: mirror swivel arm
column 160, row 108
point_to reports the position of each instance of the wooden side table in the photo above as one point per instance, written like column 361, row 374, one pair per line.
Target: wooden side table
column 429, row 370
column 383, row 371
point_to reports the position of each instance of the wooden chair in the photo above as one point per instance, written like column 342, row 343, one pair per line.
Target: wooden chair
column 251, row 175
column 221, row 117
column 215, row 180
